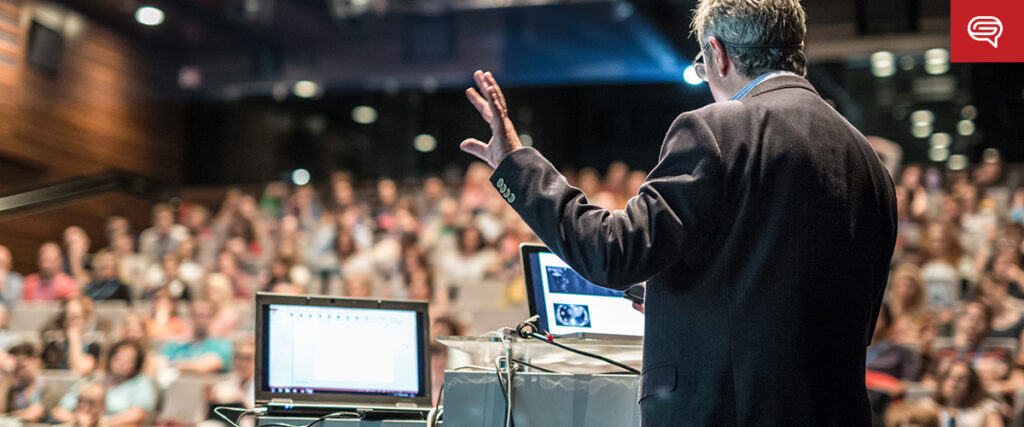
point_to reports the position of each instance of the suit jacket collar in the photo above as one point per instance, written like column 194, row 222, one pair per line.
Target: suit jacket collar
column 780, row 82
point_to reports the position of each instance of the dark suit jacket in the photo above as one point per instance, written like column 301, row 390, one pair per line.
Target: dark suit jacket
column 764, row 234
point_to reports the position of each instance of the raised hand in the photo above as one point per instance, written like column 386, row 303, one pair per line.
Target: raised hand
column 494, row 111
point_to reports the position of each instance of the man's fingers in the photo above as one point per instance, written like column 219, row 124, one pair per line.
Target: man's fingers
column 496, row 95
column 480, row 104
column 483, row 85
column 475, row 147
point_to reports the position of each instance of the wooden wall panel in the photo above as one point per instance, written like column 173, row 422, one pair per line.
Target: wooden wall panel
column 112, row 103
column 24, row 233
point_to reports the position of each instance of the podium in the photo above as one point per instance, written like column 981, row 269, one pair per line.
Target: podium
column 582, row 394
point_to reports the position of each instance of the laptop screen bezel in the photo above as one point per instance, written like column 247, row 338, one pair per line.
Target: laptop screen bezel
column 263, row 394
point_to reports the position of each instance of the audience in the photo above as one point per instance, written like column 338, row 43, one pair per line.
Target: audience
column 962, row 401
column 201, row 353
column 130, row 396
column 107, row 285
column 50, row 283
column 24, row 394
column 954, row 302
column 10, row 281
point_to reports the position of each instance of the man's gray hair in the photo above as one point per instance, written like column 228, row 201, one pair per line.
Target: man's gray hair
column 759, row 35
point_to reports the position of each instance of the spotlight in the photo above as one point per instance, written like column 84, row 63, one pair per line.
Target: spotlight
column 305, row 89
column 883, row 64
column 690, row 76
column 938, row 154
column 965, row 127
column 526, row 139
column 940, row 139
column 149, row 15
column 364, row 115
column 300, row 177
column 424, row 143
column 936, row 61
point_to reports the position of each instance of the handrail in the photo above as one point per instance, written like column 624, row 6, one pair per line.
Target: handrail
column 76, row 188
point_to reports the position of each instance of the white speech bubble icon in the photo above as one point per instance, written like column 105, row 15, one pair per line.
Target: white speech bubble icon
column 985, row 29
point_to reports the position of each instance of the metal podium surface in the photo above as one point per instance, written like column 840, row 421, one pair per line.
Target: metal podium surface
column 475, row 399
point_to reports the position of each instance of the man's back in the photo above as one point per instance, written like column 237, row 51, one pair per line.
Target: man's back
column 764, row 234
column 773, row 308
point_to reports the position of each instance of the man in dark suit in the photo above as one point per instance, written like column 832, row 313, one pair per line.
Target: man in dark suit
column 764, row 234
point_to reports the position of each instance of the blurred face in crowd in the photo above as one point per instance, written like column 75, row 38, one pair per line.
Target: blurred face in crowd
column 911, row 177
column 973, row 322
column 906, row 289
column 387, row 192
column 954, row 388
column 419, row 285
column 122, row 362
column 226, row 263
column 245, row 357
column 123, row 244
column 197, row 217
column 26, row 369
column 76, row 240
column 343, row 193
column 202, row 315
column 106, row 266
column 117, row 225
column 471, row 241
column 357, row 286
column 5, row 259
column 935, row 240
column 163, row 220
column 50, row 260
column 433, row 188
column 170, row 265
column 74, row 314
column 91, row 405
column 218, row 288
column 187, row 247
column 134, row 326
column 1004, row 263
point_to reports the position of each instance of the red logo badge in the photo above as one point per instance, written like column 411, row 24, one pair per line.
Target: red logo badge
column 986, row 31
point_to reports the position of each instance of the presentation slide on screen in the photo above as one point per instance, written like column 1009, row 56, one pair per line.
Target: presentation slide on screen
column 575, row 305
column 343, row 350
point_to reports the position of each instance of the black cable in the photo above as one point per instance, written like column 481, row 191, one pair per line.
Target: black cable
column 318, row 420
column 551, row 341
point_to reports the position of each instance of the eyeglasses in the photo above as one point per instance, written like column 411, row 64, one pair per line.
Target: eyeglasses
column 698, row 64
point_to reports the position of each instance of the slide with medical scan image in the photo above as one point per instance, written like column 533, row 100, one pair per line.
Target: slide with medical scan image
column 575, row 305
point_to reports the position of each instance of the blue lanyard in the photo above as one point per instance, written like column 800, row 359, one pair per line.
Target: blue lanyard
column 743, row 92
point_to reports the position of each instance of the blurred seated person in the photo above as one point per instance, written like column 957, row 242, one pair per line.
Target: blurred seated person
column 913, row 322
column 221, row 297
column 202, row 353
column 106, row 285
column 962, row 401
column 130, row 395
column 164, row 323
column 71, row 340
column 25, row 395
column 238, row 389
column 887, row 357
column 163, row 237
column 10, row 282
column 132, row 266
column 50, row 283
column 1007, row 321
column 89, row 408
column 167, row 277
column 912, row 415
column 77, row 263
column 993, row 365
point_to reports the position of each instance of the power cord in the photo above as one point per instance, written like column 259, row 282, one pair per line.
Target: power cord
column 242, row 413
column 338, row 414
column 528, row 329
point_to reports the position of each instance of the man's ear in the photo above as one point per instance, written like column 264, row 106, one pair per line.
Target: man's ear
column 722, row 64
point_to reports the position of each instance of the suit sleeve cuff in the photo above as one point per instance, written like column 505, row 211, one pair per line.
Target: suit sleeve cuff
column 507, row 175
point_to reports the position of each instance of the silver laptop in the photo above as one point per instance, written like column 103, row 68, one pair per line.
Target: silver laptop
column 317, row 355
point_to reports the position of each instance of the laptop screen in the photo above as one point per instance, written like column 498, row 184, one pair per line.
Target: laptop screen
column 569, row 304
column 339, row 351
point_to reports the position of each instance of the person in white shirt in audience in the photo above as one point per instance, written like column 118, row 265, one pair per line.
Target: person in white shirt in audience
column 106, row 285
column 163, row 237
column 10, row 281
column 130, row 395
